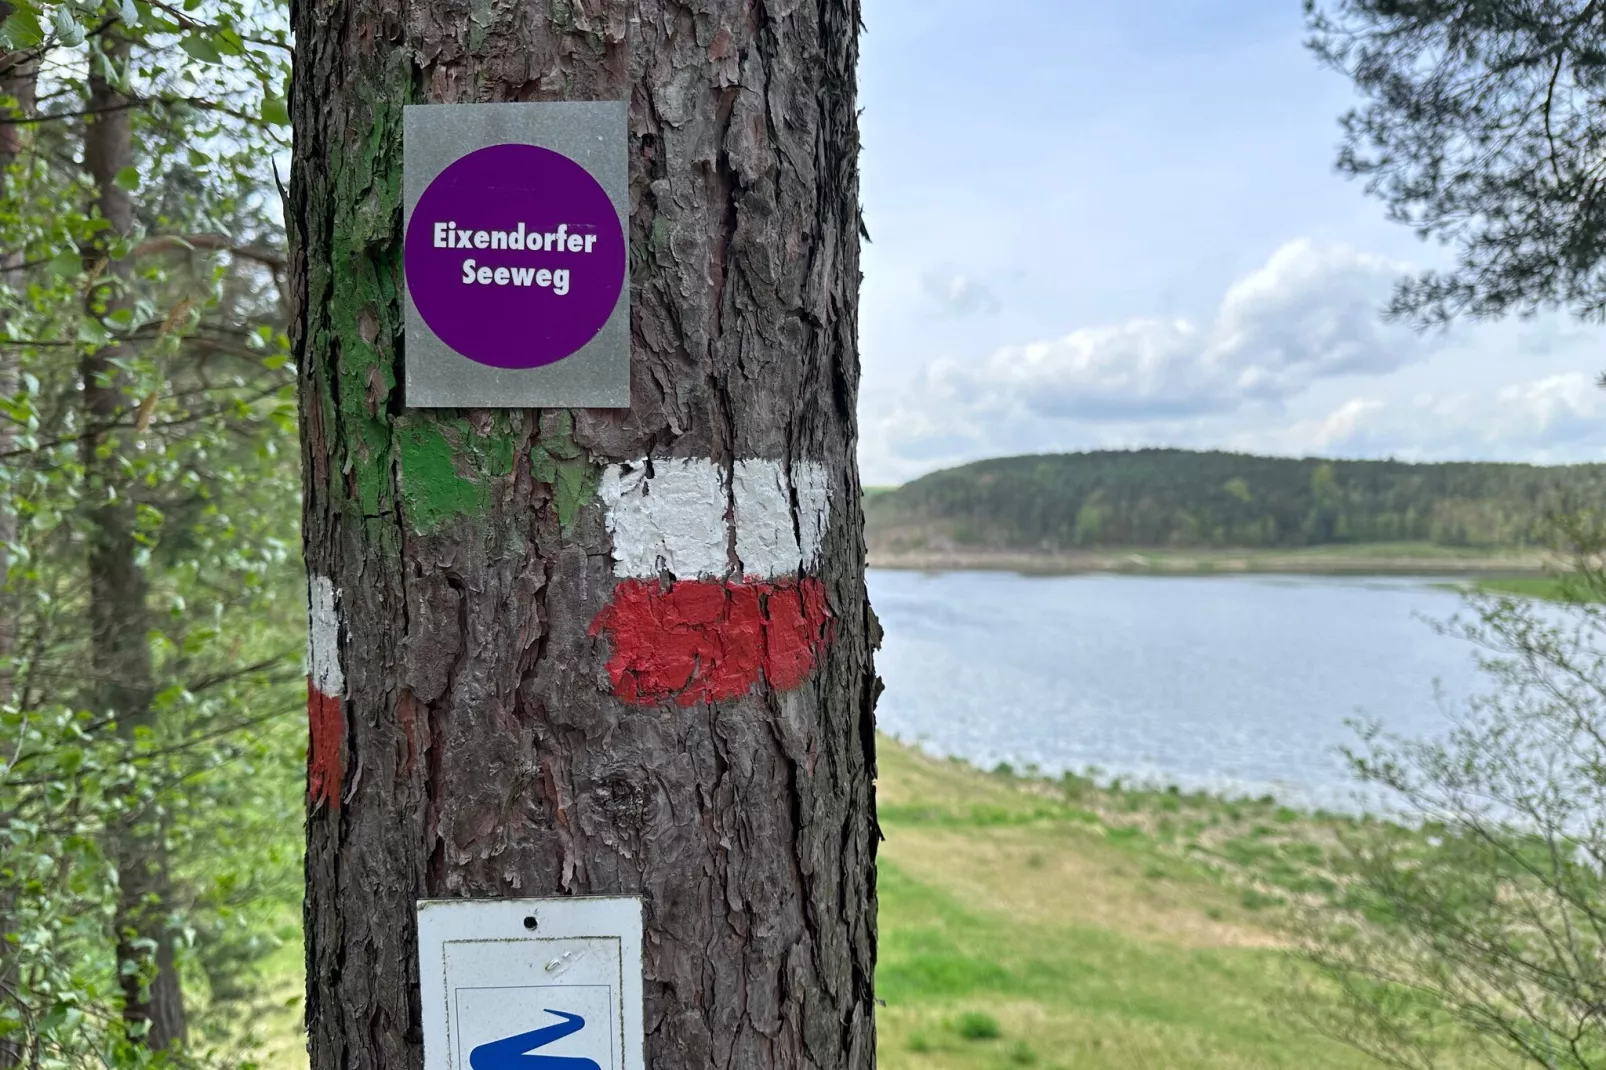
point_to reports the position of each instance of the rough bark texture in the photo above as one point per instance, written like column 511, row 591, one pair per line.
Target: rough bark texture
column 120, row 619
column 477, row 748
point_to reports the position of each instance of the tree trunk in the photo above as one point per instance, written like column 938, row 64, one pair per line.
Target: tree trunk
column 120, row 618
column 18, row 77
column 487, row 714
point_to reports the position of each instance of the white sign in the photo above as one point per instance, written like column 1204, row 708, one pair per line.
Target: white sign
column 531, row 984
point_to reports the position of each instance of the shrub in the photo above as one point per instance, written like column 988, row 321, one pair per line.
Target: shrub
column 979, row 1025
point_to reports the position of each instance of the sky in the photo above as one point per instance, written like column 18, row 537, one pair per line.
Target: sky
column 1109, row 225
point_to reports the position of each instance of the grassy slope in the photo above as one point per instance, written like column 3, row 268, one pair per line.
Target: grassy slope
column 1085, row 936
column 1089, row 929
column 1549, row 587
column 1546, row 587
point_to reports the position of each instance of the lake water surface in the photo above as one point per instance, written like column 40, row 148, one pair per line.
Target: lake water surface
column 1240, row 684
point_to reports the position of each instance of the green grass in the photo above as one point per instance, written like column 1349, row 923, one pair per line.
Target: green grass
column 1025, row 923
column 1399, row 549
column 979, row 1025
column 270, row 1035
column 1550, row 588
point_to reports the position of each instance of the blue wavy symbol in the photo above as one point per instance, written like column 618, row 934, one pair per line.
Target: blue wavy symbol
column 513, row 1053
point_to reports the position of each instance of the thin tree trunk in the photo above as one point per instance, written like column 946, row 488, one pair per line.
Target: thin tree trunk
column 120, row 619
column 473, row 730
column 18, row 76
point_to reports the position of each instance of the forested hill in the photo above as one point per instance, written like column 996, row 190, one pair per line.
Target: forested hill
column 1179, row 498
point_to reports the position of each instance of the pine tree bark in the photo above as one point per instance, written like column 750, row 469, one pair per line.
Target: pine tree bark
column 120, row 618
column 466, row 736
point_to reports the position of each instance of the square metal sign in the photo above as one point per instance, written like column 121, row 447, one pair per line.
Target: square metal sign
column 516, row 255
column 527, row 984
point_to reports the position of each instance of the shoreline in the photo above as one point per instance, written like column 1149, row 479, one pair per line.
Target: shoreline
column 1118, row 788
column 1321, row 561
column 1352, row 801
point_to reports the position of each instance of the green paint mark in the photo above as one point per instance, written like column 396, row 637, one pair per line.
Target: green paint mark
column 357, row 317
column 433, row 489
column 447, row 469
column 493, row 454
column 435, row 468
column 558, row 461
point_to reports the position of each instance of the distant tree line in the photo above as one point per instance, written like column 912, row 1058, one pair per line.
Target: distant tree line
column 1183, row 499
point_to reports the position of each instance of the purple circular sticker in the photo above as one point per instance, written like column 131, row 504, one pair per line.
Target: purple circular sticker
column 514, row 256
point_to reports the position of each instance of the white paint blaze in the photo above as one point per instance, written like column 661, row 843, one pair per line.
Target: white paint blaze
column 323, row 638
column 771, row 538
column 812, row 485
column 766, row 542
column 683, row 519
column 673, row 522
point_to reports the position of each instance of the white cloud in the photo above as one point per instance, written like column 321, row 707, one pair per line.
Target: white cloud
column 1552, row 419
column 1341, row 429
column 957, row 293
column 1557, row 412
column 1311, row 313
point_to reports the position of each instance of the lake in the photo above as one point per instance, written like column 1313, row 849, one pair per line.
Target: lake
column 1238, row 684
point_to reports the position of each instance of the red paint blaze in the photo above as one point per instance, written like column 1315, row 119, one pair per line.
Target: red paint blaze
column 325, row 728
column 706, row 640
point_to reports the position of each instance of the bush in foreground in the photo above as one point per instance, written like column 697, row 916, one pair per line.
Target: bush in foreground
column 1493, row 924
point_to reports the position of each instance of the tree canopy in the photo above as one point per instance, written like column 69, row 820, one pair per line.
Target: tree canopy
column 1483, row 127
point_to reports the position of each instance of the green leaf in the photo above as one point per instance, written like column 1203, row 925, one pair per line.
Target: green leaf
column 229, row 42
column 201, row 48
column 66, row 264
column 67, row 27
column 128, row 178
column 199, row 158
column 22, row 28
column 275, row 112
